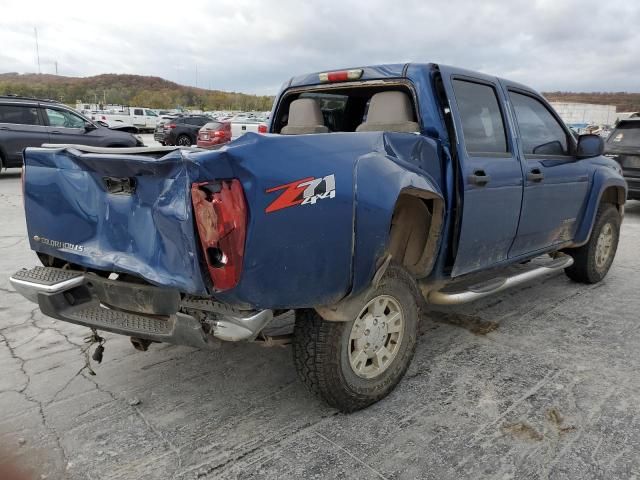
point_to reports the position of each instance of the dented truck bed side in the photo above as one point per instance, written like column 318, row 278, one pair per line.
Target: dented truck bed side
column 297, row 254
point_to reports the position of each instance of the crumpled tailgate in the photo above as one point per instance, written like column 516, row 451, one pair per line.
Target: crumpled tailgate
column 149, row 231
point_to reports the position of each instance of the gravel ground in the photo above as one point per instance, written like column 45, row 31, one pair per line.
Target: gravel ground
column 540, row 382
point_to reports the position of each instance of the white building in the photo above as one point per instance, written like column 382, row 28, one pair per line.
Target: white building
column 589, row 113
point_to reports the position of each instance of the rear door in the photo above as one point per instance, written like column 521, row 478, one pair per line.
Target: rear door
column 138, row 118
column 194, row 124
column 490, row 170
column 556, row 182
column 21, row 126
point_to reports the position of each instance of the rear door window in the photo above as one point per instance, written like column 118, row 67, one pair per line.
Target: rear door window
column 482, row 122
column 138, row 111
column 540, row 132
column 19, row 114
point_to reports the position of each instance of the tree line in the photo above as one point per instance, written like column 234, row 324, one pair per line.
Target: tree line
column 153, row 92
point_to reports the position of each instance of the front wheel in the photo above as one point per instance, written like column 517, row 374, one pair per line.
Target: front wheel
column 592, row 261
column 353, row 364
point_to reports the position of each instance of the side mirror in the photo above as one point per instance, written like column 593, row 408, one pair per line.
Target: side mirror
column 88, row 126
column 102, row 124
column 590, row 145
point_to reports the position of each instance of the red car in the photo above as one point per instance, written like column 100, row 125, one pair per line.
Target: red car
column 214, row 133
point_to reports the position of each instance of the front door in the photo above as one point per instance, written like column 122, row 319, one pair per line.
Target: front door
column 65, row 126
column 491, row 174
column 556, row 182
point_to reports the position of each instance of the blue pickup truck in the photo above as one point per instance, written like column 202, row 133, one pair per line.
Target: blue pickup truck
column 376, row 192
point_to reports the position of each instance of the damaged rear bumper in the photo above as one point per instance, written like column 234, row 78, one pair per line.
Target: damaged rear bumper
column 132, row 309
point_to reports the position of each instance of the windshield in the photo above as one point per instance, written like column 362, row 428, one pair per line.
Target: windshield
column 625, row 135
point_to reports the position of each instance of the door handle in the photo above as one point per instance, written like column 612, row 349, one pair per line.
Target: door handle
column 480, row 178
column 5, row 128
column 535, row 175
column 55, row 131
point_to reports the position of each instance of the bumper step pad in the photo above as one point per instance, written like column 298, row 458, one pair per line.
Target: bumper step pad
column 118, row 307
column 48, row 276
column 103, row 318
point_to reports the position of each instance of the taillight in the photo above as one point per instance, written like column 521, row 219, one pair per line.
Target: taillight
column 220, row 212
column 262, row 129
column 170, row 125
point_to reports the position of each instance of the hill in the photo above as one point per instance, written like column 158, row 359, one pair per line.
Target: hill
column 157, row 92
column 624, row 102
column 154, row 92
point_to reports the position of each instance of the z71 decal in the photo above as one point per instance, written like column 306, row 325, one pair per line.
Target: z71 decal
column 306, row 191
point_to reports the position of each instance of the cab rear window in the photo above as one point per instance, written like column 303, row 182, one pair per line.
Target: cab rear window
column 344, row 108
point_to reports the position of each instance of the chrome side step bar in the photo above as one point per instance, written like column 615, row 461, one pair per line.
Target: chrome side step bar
column 496, row 285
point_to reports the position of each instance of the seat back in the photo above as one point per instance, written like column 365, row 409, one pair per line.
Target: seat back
column 305, row 116
column 389, row 112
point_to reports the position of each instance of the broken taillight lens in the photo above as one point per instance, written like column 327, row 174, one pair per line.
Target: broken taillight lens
column 220, row 212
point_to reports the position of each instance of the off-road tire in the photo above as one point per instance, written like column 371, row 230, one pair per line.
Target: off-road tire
column 585, row 268
column 321, row 349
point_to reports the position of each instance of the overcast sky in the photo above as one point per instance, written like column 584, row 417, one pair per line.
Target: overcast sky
column 253, row 46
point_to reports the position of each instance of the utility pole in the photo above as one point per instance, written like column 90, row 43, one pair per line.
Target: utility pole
column 35, row 29
column 56, row 62
column 196, row 75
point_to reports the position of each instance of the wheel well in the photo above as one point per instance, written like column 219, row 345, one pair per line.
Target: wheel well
column 614, row 195
column 415, row 231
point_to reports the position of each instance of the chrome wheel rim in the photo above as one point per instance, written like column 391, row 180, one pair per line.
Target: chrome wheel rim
column 184, row 141
column 604, row 245
column 376, row 336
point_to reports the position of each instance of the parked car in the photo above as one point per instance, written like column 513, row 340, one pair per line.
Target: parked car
column 31, row 122
column 623, row 145
column 143, row 119
column 457, row 185
column 158, row 132
column 242, row 125
column 182, row 131
column 213, row 134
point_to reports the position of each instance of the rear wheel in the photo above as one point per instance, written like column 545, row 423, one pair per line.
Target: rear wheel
column 353, row 364
column 184, row 141
column 592, row 261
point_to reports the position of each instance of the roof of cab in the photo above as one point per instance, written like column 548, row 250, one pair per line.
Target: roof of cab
column 399, row 70
column 373, row 72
